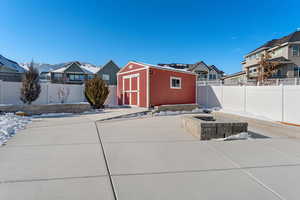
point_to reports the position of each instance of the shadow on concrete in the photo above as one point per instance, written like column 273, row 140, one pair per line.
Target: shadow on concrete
column 257, row 135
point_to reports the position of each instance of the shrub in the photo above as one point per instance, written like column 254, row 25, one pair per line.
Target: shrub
column 96, row 92
column 31, row 87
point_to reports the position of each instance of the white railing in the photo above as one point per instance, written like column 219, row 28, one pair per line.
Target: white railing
column 269, row 82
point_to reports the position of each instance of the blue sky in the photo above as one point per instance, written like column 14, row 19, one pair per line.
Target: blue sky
column 157, row 31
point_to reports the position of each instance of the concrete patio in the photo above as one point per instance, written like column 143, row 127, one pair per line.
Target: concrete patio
column 76, row 157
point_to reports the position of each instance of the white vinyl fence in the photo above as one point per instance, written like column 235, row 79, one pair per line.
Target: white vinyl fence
column 10, row 93
column 279, row 103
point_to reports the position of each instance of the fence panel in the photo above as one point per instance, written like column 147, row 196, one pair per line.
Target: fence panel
column 291, row 109
column 112, row 97
column 234, row 98
column 265, row 101
column 279, row 103
column 10, row 93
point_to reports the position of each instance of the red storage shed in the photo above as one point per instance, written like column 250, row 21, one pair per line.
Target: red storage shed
column 146, row 85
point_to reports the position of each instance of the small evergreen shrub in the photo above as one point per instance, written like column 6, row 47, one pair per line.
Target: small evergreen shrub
column 96, row 91
column 31, row 87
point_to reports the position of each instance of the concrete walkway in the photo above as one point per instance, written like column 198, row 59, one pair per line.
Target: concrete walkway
column 147, row 158
column 57, row 158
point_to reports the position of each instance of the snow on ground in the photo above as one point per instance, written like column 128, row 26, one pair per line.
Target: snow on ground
column 52, row 115
column 166, row 113
column 10, row 124
column 240, row 136
column 6, row 105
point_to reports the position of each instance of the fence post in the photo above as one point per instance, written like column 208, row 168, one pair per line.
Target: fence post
column 282, row 102
column 1, row 92
column 206, row 99
column 47, row 93
column 245, row 97
column 296, row 81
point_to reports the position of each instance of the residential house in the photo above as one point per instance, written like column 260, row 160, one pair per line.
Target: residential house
column 236, row 78
column 285, row 50
column 10, row 70
column 73, row 73
column 109, row 72
column 77, row 72
column 204, row 72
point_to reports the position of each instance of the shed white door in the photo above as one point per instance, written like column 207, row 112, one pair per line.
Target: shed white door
column 131, row 90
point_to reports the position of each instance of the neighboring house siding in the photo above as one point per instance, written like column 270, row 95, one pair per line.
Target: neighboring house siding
column 74, row 69
column 281, row 49
column 294, row 59
column 11, row 76
column 6, row 69
column 109, row 70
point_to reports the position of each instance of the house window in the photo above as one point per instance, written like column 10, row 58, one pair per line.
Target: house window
column 76, row 77
column 212, row 77
column 105, row 77
column 58, row 75
column 296, row 50
column 175, row 83
column 279, row 73
column 91, row 76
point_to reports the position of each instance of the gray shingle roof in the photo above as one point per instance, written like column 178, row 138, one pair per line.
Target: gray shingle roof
column 293, row 37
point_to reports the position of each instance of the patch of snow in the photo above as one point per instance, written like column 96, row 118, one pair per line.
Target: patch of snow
column 10, row 124
column 96, row 111
column 43, row 67
column 165, row 67
column 197, row 110
column 240, row 136
column 60, row 70
column 90, row 68
column 6, row 104
column 48, row 115
column 168, row 113
column 82, row 102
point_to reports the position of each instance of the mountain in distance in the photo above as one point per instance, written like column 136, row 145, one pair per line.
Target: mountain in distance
column 44, row 67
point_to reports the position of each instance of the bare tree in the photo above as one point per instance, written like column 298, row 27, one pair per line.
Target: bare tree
column 266, row 68
column 31, row 87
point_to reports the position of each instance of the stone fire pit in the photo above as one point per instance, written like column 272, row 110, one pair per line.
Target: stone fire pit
column 207, row 126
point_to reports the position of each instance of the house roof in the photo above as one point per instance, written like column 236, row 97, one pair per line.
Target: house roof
column 11, row 64
column 293, row 37
column 280, row 59
column 90, row 68
column 163, row 67
column 191, row 67
column 110, row 61
column 87, row 69
column 216, row 69
column 234, row 74
column 175, row 65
